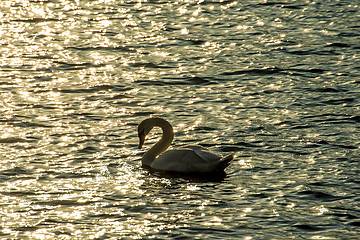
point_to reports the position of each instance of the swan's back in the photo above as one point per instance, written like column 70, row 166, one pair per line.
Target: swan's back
column 191, row 159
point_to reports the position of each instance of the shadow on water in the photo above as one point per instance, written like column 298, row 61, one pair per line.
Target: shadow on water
column 192, row 177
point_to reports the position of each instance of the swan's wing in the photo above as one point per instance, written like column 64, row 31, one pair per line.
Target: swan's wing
column 178, row 160
column 203, row 153
column 188, row 159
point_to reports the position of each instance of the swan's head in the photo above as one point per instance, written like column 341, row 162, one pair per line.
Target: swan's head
column 143, row 129
column 146, row 125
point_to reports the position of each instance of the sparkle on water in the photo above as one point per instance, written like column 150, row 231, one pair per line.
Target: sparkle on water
column 275, row 82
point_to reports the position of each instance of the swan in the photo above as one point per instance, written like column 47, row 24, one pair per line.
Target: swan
column 188, row 159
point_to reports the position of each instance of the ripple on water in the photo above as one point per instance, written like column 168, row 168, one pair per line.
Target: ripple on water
column 275, row 82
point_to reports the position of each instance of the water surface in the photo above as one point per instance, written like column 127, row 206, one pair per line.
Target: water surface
column 277, row 83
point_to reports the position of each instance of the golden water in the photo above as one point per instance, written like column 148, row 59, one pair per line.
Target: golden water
column 275, row 82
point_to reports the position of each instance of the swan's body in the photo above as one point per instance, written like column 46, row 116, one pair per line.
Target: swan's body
column 187, row 159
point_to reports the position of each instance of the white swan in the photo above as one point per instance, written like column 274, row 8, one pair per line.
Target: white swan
column 188, row 159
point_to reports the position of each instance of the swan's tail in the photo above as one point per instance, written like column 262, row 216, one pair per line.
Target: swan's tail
column 225, row 162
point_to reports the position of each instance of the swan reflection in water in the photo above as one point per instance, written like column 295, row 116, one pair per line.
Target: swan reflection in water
column 186, row 160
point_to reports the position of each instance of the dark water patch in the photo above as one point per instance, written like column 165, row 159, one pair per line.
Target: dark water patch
column 346, row 216
column 338, row 101
column 147, row 65
column 51, row 221
column 310, row 228
column 333, row 121
column 175, row 81
column 338, row 45
column 280, row 4
column 26, row 124
column 135, row 209
column 311, row 52
column 318, row 195
column 255, row 128
column 189, row 80
column 151, row 83
column 271, row 91
column 93, row 89
column 300, row 71
column 106, row 48
column 5, row 84
column 264, row 168
column 39, row 56
column 64, row 202
column 192, row 41
column 294, row 7
column 345, row 146
column 255, row 71
column 88, row 150
column 324, row 184
column 16, row 171
column 354, row 223
column 329, row 116
column 13, row 140
column 344, row 160
column 259, row 195
column 116, row 88
column 108, row 216
column 25, row 193
column 142, row 114
column 276, row 70
column 101, row 88
column 355, row 118
column 203, row 231
column 118, row 97
column 329, row 119
column 327, row 89
column 349, row 34
column 26, row 228
column 60, row 232
column 204, row 128
column 75, row 66
column 46, row 106
column 194, row 80
column 35, row 20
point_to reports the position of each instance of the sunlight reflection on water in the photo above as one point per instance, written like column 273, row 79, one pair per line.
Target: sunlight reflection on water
column 274, row 83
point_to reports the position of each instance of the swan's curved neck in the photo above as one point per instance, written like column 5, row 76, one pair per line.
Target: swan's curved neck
column 162, row 144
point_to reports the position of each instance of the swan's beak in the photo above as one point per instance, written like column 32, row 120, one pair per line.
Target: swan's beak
column 141, row 140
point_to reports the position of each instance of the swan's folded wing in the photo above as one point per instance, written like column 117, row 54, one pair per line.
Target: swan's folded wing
column 203, row 153
column 179, row 160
